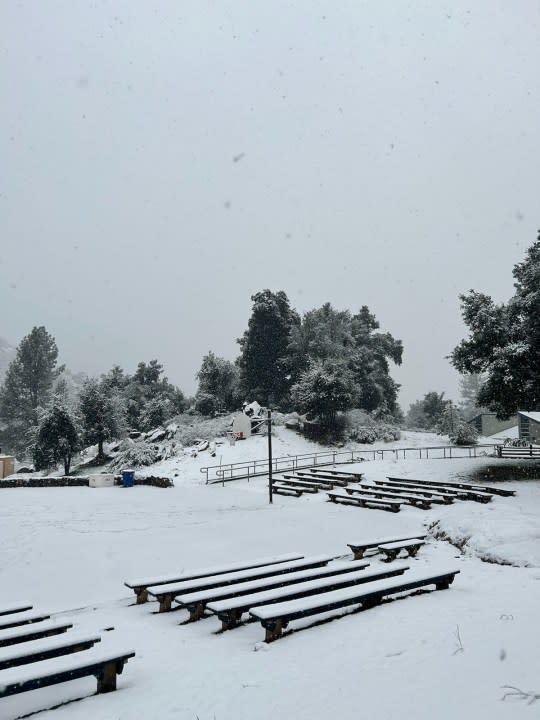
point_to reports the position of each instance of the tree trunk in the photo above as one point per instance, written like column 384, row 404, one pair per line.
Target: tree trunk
column 67, row 464
column 100, row 453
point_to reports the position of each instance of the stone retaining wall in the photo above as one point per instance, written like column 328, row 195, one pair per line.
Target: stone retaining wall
column 17, row 482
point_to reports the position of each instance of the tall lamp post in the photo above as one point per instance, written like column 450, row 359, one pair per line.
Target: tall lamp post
column 269, row 421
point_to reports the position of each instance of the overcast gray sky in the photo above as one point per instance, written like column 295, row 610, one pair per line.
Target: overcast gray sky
column 162, row 161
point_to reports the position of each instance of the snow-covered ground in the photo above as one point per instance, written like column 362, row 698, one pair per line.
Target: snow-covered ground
column 436, row 655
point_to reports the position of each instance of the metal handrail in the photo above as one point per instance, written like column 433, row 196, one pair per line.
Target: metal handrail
column 253, row 468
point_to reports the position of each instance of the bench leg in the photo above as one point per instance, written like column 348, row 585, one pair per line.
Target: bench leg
column 358, row 553
column 142, row 596
column 390, row 555
column 413, row 550
column 274, row 631
column 165, row 604
column 369, row 603
column 231, row 620
column 444, row 584
column 196, row 612
column 106, row 680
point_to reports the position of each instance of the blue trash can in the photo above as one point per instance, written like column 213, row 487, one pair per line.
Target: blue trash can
column 128, row 478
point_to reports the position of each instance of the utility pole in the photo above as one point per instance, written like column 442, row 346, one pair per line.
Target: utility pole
column 269, row 421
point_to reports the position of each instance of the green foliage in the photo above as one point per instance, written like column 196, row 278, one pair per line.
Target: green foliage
column 57, row 437
column 264, row 374
column 427, row 413
column 504, row 341
column 449, row 420
column 218, row 385
column 464, row 434
column 28, row 385
column 325, row 333
column 324, row 389
column 102, row 413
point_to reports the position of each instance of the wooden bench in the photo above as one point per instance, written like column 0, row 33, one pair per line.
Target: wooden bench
column 442, row 490
column 15, row 608
column 45, row 648
column 336, row 473
column 197, row 602
column 165, row 594
column 23, row 618
column 360, row 548
column 140, row 586
column 392, row 550
column 439, row 497
column 341, row 480
column 105, row 666
column 365, row 501
column 275, row 618
column 230, row 611
column 24, row 633
column 320, row 483
column 479, row 493
column 407, row 498
column 287, row 491
column 304, row 487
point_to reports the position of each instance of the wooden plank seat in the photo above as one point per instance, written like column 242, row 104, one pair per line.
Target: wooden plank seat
column 45, row 648
column 320, row 483
column 359, row 548
column 230, row 611
column 407, row 498
column 23, row 618
column 439, row 497
column 336, row 473
column 275, row 618
column 141, row 585
column 197, row 602
column 341, row 480
column 281, row 490
column 312, row 489
column 365, row 501
column 470, row 493
column 25, row 633
column 442, row 490
column 165, row 594
column 392, row 550
column 18, row 607
column 105, row 666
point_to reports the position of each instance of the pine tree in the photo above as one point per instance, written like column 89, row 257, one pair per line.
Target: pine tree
column 218, row 384
column 28, row 384
column 102, row 412
column 504, row 341
column 57, row 437
column 264, row 373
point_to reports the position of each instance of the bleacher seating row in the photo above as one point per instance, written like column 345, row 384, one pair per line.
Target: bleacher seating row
column 287, row 589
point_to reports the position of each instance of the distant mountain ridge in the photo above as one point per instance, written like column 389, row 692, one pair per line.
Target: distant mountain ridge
column 7, row 354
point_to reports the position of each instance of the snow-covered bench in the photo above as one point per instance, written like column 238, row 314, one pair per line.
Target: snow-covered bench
column 105, row 666
column 22, row 618
column 196, row 602
column 18, row 607
column 341, row 481
column 392, row 550
column 165, row 594
column 359, row 548
column 347, row 474
column 297, row 485
column 365, row 502
column 45, row 648
column 24, row 633
column 275, row 618
column 287, row 491
column 438, row 497
column 477, row 493
column 407, row 498
column 320, row 483
column 141, row 585
column 230, row 611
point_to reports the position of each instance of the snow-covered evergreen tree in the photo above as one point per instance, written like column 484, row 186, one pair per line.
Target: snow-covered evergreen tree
column 57, row 438
column 324, row 389
column 102, row 412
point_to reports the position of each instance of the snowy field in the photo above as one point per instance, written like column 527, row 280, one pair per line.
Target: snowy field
column 436, row 655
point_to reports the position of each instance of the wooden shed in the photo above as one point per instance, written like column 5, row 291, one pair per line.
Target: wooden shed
column 529, row 426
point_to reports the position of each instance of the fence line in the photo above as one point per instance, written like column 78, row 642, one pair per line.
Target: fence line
column 254, row 468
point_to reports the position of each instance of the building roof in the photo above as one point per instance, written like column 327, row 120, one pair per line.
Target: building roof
column 531, row 415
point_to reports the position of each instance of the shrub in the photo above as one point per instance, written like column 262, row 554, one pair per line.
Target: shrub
column 138, row 455
column 464, row 434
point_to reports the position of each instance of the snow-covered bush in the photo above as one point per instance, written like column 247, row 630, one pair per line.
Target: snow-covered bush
column 464, row 434
column 138, row 455
column 371, row 433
